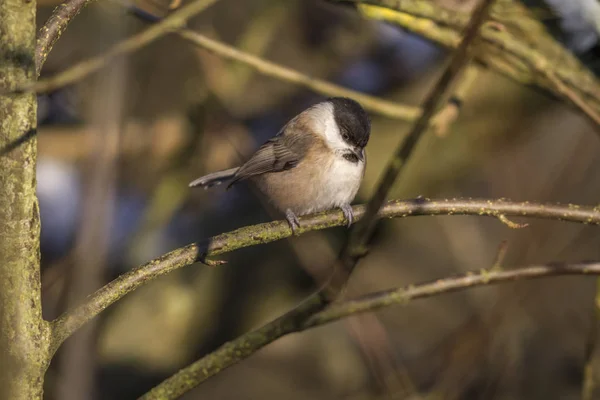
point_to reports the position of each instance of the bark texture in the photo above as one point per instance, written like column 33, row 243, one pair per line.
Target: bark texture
column 23, row 333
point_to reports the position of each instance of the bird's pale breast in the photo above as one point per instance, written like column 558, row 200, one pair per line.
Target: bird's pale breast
column 320, row 182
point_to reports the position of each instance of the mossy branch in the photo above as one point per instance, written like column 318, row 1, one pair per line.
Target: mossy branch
column 516, row 45
column 24, row 335
column 313, row 312
column 513, row 44
column 54, row 28
column 268, row 232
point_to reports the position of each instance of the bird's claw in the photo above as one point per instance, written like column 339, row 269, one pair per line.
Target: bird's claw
column 292, row 219
column 348, row 213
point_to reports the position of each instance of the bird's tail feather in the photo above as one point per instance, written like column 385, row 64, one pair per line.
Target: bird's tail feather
column 214, row 179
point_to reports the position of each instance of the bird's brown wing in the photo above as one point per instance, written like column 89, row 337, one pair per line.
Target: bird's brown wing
column 281, row 153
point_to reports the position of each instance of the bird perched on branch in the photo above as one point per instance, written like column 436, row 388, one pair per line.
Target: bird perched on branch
column 315, row 163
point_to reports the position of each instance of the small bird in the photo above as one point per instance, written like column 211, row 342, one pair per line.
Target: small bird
column 316, row 162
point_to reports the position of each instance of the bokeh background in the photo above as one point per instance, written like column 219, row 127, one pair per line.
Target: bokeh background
column 117, row 150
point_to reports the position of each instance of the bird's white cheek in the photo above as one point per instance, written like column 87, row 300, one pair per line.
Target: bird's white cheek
column 330, row 130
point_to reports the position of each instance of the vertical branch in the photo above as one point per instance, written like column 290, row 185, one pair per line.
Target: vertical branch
column 24, row 336
column 444, row 119
column 361, row 235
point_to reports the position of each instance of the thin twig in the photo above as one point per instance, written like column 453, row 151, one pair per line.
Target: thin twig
column 361, row 235
column 444, row 118
column 373, row 104
column 54, row 28
column 378, row 300
column 56, row 24
column 83, row 69
column 500, row 255
column 567, row 92
column 311, row 314
column 511, row 224
column 570, row 81
column 69, row 322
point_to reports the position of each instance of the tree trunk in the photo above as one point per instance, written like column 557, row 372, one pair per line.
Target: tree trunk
column 23, row 333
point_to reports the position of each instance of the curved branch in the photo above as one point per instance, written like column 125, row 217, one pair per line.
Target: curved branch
column 386, row 298
column 54, row 28
column 567, row 79
column 379, row 106
column 361, row 235
column 72, row 320
column 311, row 314
column 80, row 70
column 66, row 11
column 514, row 45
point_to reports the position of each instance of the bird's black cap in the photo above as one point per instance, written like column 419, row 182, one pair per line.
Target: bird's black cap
column 352, row 119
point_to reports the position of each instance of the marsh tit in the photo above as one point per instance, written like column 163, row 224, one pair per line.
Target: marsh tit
column 315, row 163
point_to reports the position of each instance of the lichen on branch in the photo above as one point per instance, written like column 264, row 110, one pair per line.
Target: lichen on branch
column 24, row 335
column 69, row 322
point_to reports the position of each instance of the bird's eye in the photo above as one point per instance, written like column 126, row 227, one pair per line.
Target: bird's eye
column 345, row 136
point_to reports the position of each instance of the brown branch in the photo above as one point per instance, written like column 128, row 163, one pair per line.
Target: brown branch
column 444, row 118
column 81, row 70
column 379, row 300
column 382, row 107
column 360, row 236
column 515, row 45
column 54, row 28
column 312, row 313
column 232, row 352
column 268, row 232
column 568, row 80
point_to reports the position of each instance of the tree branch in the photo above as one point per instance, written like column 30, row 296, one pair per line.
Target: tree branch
column 312, row 313
column 515, row 45
column 382, row 107
column 445, row 117
column 54, row 28
column 81, row 70
column 24, row 335
column 66, row 11
column 567, row 79
column 69, row 322
column 360, row 236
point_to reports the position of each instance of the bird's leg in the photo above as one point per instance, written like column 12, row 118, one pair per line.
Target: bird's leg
column 348, row 213
column 292, row 220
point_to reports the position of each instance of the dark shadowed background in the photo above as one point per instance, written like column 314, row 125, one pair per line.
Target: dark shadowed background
column 117, row 150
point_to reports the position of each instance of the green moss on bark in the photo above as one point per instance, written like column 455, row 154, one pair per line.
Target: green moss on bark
column 23, row 334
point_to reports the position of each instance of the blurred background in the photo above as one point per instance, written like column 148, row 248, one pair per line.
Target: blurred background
column 117, row 150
